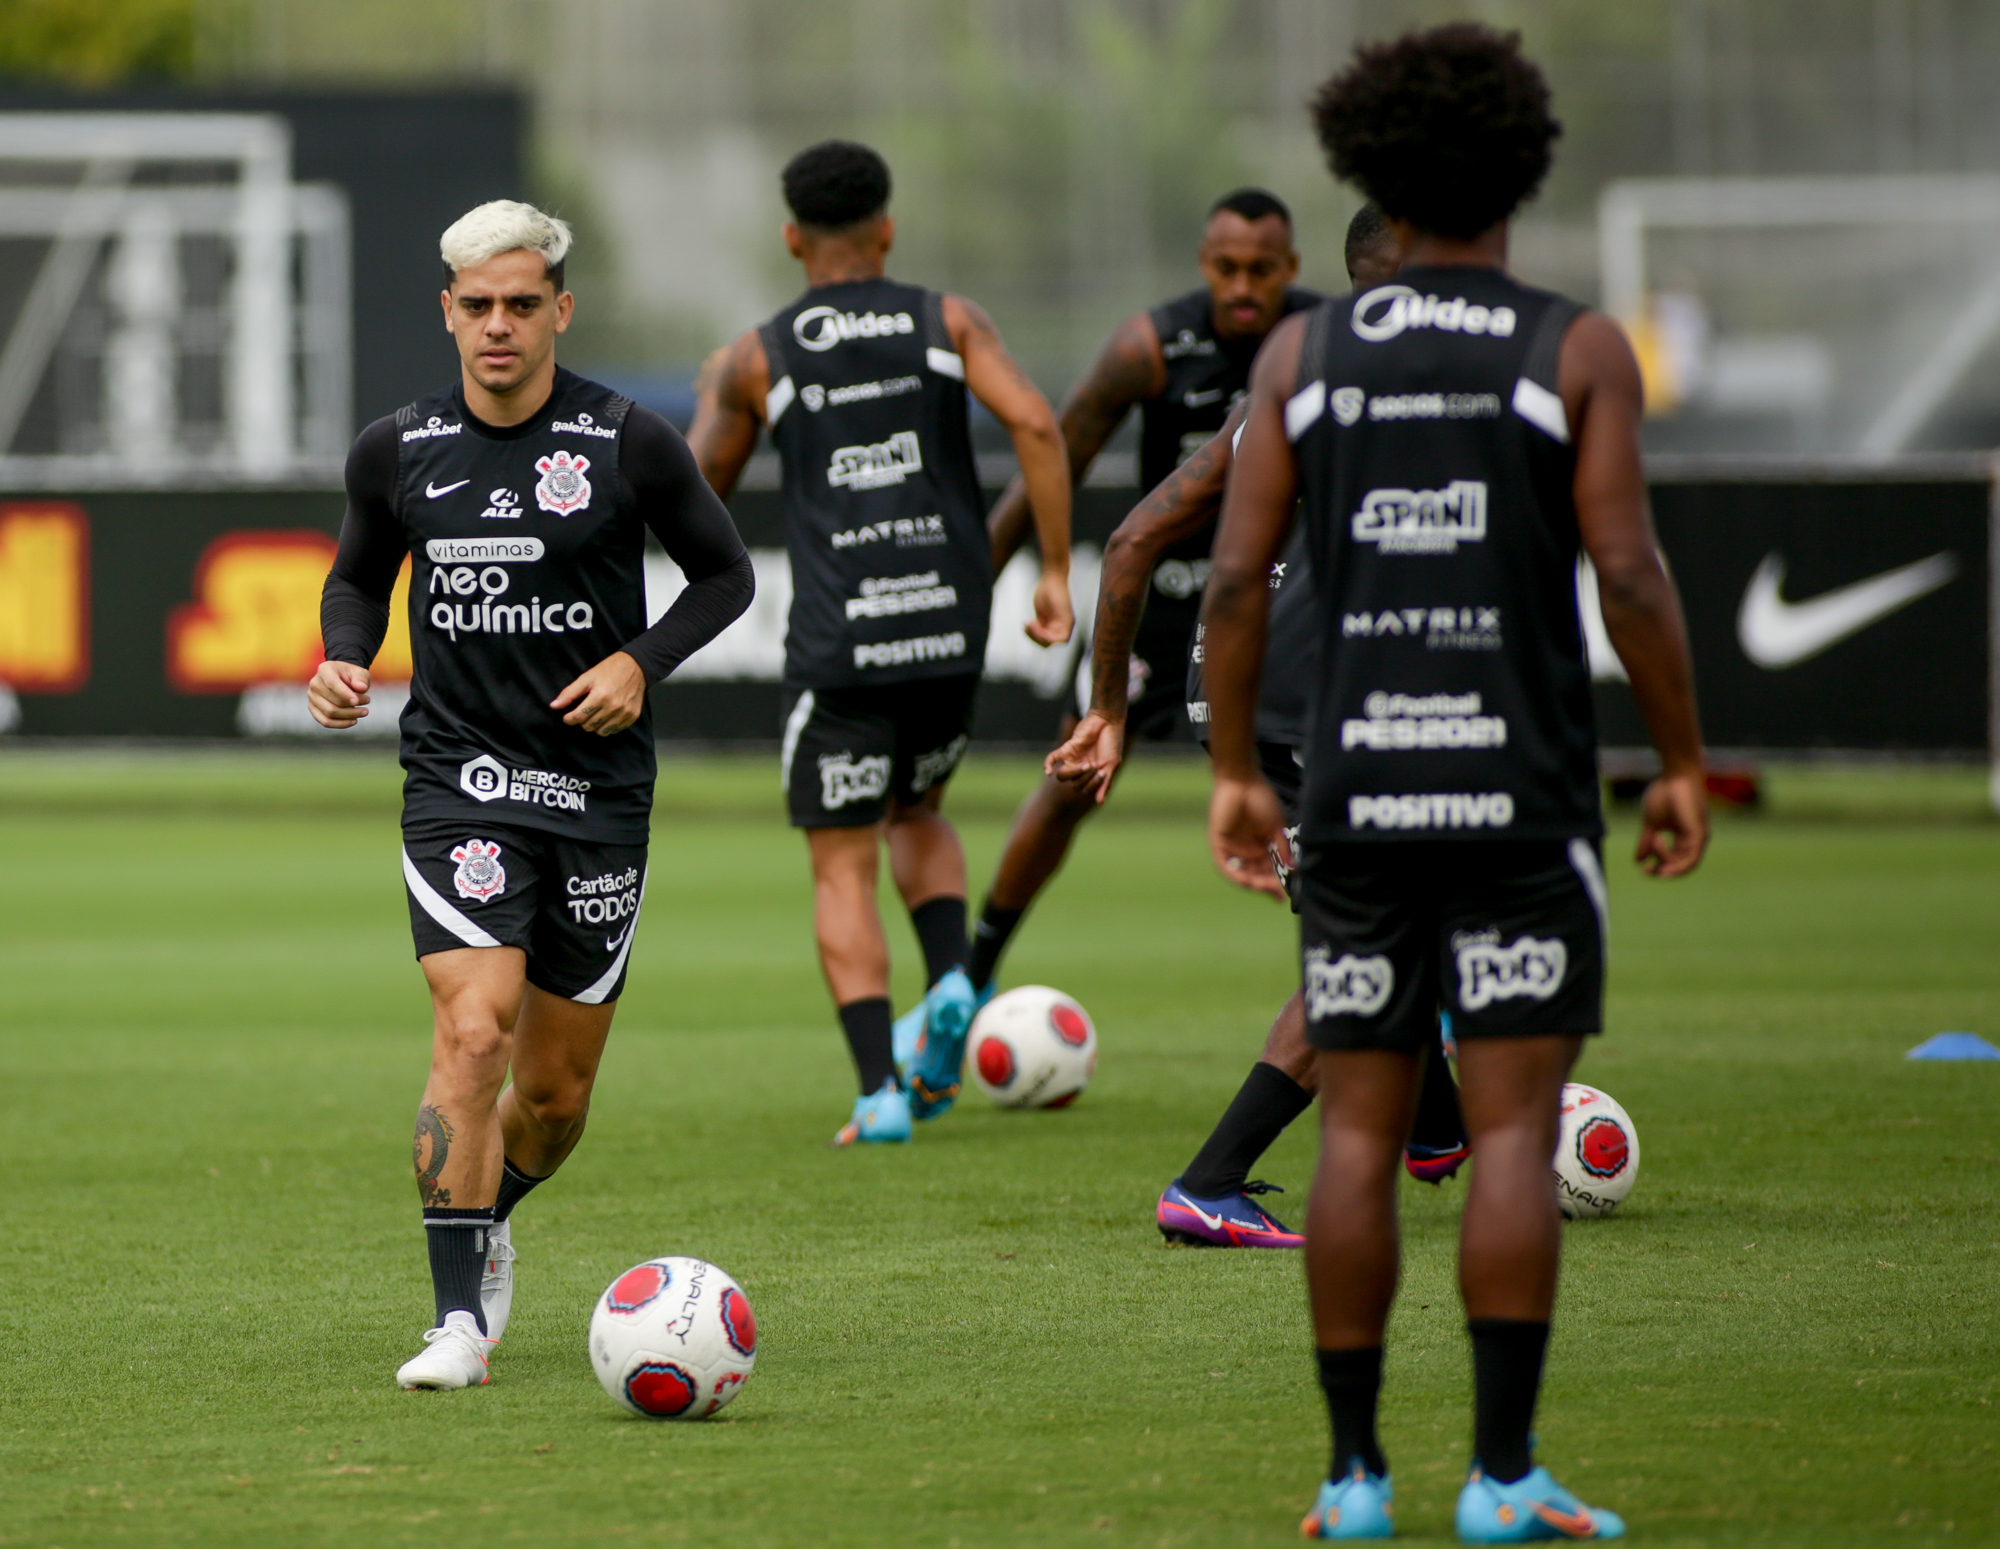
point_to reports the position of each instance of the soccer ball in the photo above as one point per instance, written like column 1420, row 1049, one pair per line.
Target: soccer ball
column 1032, row 1047
column 1597, row 1153
column 673, row 1339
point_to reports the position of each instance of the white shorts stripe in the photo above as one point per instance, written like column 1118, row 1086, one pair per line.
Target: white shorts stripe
column 439, row 910
column 1583, row 859
column 794, row 725
column 594, row 996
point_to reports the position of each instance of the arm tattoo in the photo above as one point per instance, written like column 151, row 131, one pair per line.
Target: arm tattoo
column 1125, row 373
column 436, row 1128
column 1185, row 499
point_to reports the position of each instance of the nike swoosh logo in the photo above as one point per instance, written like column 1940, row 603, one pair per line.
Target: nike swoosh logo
column 613, row 943
column 1577, row 1524
column 1214, row 1222
column 1776, row 634
column 433, row 491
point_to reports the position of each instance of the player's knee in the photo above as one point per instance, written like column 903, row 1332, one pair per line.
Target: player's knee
column 556, row 1110
column 470, row 1042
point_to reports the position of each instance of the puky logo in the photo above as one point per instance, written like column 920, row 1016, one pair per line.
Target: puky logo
column 844, row 778
column 1488, row 971
column 1347, row 985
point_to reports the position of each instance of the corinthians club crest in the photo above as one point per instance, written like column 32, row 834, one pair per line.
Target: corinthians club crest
column 564, row 488
column 479, row 875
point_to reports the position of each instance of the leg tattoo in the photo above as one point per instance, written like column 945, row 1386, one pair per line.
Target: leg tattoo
column 436, row 1128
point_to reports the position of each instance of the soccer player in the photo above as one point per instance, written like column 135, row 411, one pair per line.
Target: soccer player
column 1213, row 1203
column 862, row 383
column 1452, row 440
column 522, row 495
column 1184, row 365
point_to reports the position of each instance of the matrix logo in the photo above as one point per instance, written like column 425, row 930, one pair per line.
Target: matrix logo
column 1347, row 986
column 1488, row 971
column 876, row 467
column 1423, row 521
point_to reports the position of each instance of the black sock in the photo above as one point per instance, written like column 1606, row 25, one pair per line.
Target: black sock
column 940, row 925
column 1352, row 1383
column 457, row 1241
column 1267, row 1101
column 989, row 940
column 514, row 1187
column 867, row 1024
column 1439, row 1123
column 1507, row 1356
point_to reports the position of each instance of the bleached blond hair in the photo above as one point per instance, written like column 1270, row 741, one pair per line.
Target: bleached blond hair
column 504, row 226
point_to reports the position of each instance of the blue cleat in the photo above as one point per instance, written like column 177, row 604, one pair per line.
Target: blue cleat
column 937, row 1062
column 883, row 1116
column 1357, row 1505
column 908, row 1031
column 1233, row 1221
column 1532, row 1508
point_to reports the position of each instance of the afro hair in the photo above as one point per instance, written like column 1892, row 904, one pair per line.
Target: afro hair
column 836, row 183
column 1448, row 129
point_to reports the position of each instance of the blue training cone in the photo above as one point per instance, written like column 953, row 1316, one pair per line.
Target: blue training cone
column 1954, row 1046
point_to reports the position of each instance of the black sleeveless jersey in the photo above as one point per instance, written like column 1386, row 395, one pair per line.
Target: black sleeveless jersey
column 892, row 574
column 1451, row 697
column 1291, row 654
column 526, row 571
column 1206, row 377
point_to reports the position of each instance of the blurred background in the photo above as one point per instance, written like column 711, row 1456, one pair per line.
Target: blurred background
column 1792, row 205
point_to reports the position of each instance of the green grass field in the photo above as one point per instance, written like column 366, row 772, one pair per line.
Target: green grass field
column 214, row 1038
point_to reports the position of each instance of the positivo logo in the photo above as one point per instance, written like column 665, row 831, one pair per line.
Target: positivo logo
column 483, row 778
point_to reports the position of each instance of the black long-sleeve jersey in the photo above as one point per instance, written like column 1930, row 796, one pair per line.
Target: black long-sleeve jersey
column 527, row 549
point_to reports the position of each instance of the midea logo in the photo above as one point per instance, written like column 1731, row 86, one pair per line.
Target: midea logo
column 821, row 328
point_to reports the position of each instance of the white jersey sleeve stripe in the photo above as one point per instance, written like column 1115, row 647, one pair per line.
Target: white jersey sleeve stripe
column 594, row 996
column 946, row 363
column 778, row 399
column 1303, row 408
column 1542, row 409
column 435, row 906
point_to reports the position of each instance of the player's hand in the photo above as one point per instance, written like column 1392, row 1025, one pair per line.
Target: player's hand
column 1673, row 824
column 608, row 698
column 1091, row 757
column 1054, row 617
column 337, row 694
column 1245, row 824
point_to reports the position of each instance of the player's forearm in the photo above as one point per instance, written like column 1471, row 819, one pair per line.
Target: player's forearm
column 704, row 609
column 352, row 624
column 1642, row 615
column 1234, row 609
column 1045, row 477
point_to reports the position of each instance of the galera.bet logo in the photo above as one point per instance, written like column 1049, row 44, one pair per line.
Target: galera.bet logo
column 483, row 778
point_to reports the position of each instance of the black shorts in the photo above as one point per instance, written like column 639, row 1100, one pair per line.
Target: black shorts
column 1506, row 935
column 571, row 905
column 1285, row 771
column 848, row 750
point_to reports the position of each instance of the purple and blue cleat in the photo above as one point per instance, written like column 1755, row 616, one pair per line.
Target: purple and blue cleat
column 1434, row 1164
column 1232, row 1221
column 1356, row 1505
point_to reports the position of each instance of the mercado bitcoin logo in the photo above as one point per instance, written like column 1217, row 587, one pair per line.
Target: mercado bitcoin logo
column 44, row 597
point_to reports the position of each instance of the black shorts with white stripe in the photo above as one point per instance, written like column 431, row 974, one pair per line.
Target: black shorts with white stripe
column 848, row 752
column 571, row 905
column 1506, row 935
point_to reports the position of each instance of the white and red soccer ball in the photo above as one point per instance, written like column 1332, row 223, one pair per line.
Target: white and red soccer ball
column 1032, row 1047
column 673, row 1339
column 1597, row 1153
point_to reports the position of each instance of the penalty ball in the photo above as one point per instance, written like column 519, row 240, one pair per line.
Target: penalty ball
column 1032, row 1047
column 673, row 1339
column 1597, row 1153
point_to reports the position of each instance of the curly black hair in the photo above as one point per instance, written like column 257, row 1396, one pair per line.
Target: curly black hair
column 836, row 183
column 1448, row 129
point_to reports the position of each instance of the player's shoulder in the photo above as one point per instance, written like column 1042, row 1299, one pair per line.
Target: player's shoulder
column 1301, row 298
column 371, row 461
column 1182, row 322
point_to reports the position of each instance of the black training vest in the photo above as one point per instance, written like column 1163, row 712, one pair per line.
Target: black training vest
column 1206, row 377
column 1452, row 697
column 892, row 574
column 526, row 570
column 1291, row 654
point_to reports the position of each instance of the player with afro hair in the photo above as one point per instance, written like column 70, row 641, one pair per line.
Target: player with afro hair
column 1449, row 130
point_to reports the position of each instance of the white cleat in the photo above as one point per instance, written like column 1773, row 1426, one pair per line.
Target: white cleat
column 496, row 1282
column 454, row 1357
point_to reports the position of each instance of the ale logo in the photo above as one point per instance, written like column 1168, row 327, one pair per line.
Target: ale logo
column 44, row 597
column 255, row 615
